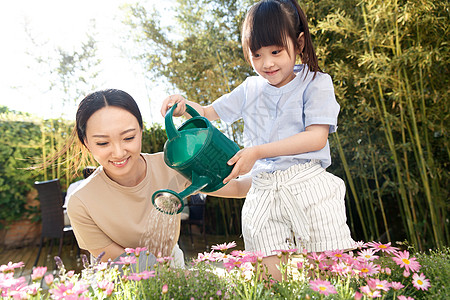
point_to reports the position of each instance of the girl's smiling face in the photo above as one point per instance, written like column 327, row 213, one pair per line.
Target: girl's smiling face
column 275, row 63
column 114, row 138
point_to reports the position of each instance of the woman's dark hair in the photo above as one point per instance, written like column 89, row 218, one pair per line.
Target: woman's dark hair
column 75, row 149
column 273, row 22
column 99, row 99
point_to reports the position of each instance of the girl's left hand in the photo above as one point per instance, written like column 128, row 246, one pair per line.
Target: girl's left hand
column 243, row 162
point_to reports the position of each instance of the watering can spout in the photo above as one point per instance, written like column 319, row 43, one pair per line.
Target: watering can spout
column 198, row 151
column 170, row 202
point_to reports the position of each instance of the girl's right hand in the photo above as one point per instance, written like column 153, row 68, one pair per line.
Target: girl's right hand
column 170, row 101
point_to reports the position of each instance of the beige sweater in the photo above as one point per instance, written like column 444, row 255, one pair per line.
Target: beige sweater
column 101, row 211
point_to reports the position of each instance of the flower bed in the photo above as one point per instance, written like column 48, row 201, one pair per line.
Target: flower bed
column 373, row 270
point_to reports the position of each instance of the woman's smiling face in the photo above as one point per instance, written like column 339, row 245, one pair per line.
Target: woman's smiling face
column 114, row 138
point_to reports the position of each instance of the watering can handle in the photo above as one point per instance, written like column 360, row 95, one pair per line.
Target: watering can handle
column 170, row 127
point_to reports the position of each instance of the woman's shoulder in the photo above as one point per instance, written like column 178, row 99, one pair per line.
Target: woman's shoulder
column 154, row 158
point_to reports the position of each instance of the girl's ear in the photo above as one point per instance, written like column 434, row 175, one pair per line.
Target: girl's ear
column 300, row 43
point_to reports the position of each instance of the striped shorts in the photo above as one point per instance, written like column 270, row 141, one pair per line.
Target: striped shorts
column 302, row 207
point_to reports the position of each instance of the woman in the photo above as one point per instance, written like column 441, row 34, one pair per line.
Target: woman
column 112, row 209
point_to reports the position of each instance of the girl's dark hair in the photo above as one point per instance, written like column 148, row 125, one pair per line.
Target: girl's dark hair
column 273, row 22
column 97, row 100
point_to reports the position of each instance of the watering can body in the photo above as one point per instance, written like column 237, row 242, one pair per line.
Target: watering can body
column 199, row 152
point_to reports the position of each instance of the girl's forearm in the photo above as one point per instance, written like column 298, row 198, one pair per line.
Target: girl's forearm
column 312, row 139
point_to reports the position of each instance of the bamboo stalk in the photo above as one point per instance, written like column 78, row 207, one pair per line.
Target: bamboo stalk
column 378, row 191
column 351, row 185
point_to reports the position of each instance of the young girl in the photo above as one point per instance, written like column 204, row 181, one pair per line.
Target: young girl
column 288, row 113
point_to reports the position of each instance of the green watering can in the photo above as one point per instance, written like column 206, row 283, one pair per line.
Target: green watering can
column 199, row 152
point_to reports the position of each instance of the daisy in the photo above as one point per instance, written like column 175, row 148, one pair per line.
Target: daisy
column 377, row 284
column 322, row 286
column 224, row 246
column 127, row 260
column 165, row 259
column 11, row 266
column 232, row 263
column 396, row 285
column 366, row 290
column 317, row 258
column 403, row 260
column 341, row 269
column 336, row 255
column 239, row 253
column 38, row 273
column 404, row 298
column 286, row 251
column 420, row 282
column 206, row 256
column 387, row 248
column 141, row 276
column 366, row 268
column 367, row 254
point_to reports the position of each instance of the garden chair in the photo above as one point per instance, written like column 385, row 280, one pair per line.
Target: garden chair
column 51, row 202
column 197, row 209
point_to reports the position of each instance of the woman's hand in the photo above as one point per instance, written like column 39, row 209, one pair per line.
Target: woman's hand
column 243, row 162
column 170, row 101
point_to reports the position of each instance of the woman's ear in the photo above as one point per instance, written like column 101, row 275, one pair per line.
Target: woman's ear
column 86, row 144
column 300, row 43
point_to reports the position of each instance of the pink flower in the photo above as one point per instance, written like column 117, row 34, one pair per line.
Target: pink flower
column 139, row 250
column 396, row 285
column 129, row 250
column 403, row 260
column 252, row 257
column 219, row 256
column 406, row 273
column 360, row 244
column 317, row 258
column 224, row 246
column 49, row 279
column 206, row 256
column 322, row 286
column 377, row 284
column 127, row 260
column 164, row 259
column 341, row 269
column 336, row 255
column 69, row 291
column 11, row 266
column 70, row 273
column 239, row 253
column 387, row 248
column 232, row 263
column 401, row 297
column 106, row 286
column 142, row 275
column 367, row 254
column 285, row 251
column 366, row 268
column 370, row 293
column 38, row 273
column 420, row 282
column 165, row 289
column 358, row 296
column 101, row 266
